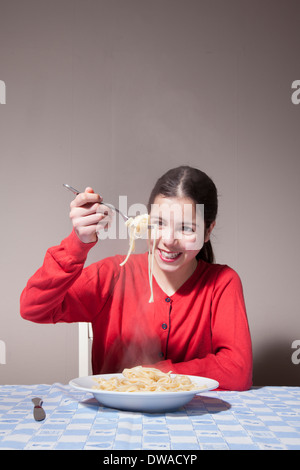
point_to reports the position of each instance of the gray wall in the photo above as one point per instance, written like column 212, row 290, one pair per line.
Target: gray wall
column 111, row 93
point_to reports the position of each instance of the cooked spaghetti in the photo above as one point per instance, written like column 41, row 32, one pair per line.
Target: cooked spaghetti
column 146, row 379
column 138, row 227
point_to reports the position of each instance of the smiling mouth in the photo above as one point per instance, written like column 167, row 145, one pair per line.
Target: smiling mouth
column 169, row 255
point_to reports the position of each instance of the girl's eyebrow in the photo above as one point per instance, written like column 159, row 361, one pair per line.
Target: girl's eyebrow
column 189, row 223
column 183, row 222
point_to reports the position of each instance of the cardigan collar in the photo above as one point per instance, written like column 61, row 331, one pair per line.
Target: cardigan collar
column 183, row 290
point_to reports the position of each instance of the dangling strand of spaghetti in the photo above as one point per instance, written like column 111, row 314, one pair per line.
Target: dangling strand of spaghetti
column 151, row 260
column 137, row 227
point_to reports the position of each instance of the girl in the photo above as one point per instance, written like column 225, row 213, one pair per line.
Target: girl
column 197, row 322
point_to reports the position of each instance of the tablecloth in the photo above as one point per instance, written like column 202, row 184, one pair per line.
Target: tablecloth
column 259, row 419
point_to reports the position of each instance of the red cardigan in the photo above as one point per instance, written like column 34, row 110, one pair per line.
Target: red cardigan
column 202, row 329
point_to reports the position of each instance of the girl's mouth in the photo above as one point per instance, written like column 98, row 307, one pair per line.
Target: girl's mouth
column 169, row 256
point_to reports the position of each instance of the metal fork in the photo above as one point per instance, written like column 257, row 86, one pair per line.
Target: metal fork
column 75, row 191
column 38, row 411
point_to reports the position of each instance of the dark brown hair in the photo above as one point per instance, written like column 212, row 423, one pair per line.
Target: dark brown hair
column 195, row 184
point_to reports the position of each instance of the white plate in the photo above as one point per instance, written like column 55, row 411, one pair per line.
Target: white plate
column 142, row 401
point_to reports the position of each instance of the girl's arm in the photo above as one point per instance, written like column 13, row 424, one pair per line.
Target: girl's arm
column 51, row 294
column 57, row 291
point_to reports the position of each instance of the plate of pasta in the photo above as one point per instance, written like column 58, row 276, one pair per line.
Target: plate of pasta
column 144, row 389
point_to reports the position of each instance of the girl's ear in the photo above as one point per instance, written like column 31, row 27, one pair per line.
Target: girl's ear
column 208, row 231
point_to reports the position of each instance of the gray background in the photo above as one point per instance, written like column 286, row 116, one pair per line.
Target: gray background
column 111, row 93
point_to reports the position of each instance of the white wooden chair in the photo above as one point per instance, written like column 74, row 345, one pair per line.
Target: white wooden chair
column 85, row 338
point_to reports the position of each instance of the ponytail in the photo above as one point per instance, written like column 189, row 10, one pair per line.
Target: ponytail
column 206, row 253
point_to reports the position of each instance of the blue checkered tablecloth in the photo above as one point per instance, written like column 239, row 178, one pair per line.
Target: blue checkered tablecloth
column 262, row 418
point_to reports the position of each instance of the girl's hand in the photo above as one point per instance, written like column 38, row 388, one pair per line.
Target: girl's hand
column 85, row 215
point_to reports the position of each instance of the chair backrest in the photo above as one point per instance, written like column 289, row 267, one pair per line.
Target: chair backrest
column 85, row 338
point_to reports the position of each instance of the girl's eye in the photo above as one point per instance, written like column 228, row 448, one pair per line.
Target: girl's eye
column 187, row 229
column 160, row 223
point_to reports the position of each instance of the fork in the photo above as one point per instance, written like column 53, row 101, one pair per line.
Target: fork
column 75, row 191
column 38, row 411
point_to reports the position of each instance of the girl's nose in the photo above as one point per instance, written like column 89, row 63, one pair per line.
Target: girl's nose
column 169, row 236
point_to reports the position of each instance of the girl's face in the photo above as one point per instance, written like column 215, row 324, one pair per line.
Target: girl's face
column 180, row 234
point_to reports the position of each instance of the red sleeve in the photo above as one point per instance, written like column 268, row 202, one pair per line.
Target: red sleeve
column 230, row 361
column 57, row 291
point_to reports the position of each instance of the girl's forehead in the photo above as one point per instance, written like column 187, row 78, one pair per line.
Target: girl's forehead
column 173, row 204
column 178, row 210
